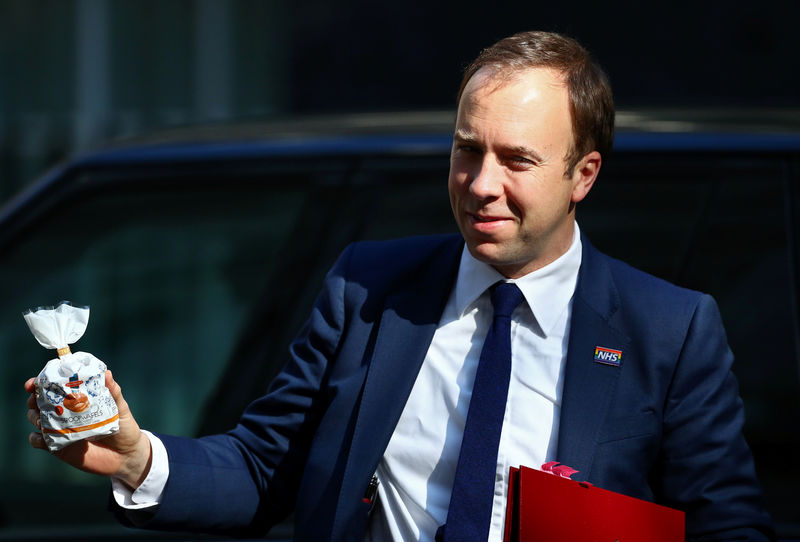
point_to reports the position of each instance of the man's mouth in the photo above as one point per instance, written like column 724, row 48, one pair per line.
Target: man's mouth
column 487, row 223
column 486, row 218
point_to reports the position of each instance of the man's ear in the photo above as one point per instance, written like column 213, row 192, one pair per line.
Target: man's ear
column 584, row 175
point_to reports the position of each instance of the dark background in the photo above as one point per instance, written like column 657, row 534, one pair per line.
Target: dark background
column 75, row 74
column 410, row 54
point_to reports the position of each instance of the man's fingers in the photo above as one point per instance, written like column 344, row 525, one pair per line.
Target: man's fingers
column 37, row 441
column 116, row 393
column 33, row 417
column 113, row 387
column 30, row 385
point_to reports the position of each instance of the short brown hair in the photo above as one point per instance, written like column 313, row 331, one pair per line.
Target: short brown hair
column 590, row 99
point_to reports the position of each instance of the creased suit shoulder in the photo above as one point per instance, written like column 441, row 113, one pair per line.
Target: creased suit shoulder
column 397, row 261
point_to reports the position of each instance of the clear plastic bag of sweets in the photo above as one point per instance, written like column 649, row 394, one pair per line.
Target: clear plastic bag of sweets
column 71, row 389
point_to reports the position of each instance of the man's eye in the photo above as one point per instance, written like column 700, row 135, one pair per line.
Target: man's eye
column 520, row 161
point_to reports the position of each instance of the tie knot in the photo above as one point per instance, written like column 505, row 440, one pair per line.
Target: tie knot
column 506, row 296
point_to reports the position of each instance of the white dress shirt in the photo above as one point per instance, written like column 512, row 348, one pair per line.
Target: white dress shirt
column 417, row 470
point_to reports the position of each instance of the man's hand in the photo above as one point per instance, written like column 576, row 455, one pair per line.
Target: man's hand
column 125, row 455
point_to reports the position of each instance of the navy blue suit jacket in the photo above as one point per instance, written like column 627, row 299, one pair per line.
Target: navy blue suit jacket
column 665, row 425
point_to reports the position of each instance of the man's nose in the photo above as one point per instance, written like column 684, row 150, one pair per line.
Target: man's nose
column 487, row 182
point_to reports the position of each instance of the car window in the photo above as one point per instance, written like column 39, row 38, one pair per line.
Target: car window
column 174, row 267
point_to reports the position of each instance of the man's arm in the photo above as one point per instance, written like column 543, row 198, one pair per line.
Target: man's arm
column 706, row 464
column 244, row 481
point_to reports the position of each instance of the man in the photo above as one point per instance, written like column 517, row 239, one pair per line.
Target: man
column 382, row 384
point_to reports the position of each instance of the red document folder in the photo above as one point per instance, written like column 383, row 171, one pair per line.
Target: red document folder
column 545, row 507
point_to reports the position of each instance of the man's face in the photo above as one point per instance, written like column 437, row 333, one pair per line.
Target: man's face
column 508, row 189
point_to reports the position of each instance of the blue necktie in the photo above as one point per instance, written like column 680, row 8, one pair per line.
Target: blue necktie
column 470, row 511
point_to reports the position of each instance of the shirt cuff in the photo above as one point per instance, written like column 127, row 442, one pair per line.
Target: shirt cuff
column 150, row 492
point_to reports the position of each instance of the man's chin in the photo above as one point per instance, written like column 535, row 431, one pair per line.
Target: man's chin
column 489, row 253
column 506, row 262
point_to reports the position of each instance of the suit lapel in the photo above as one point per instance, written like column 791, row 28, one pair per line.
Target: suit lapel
column 589, row 385
column 408, row 322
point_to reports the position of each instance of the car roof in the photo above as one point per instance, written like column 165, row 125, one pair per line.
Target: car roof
column 422, row 132
column 417, row 133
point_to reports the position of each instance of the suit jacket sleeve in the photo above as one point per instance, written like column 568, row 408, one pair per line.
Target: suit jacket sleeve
column 705, row 466
column 244, row 481
column 665, row 424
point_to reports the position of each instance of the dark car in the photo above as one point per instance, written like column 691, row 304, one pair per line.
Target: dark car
column 201, row 251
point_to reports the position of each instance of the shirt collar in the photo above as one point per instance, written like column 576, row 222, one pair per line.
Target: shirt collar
column 547, row 290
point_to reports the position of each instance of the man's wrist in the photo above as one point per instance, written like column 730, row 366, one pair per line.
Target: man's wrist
column 150, row 492
column 137, row 464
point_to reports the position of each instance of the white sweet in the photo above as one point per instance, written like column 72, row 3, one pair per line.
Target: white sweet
column 70, row 391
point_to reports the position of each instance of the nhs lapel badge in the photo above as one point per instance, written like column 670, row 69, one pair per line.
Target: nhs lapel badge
column 607, row 356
